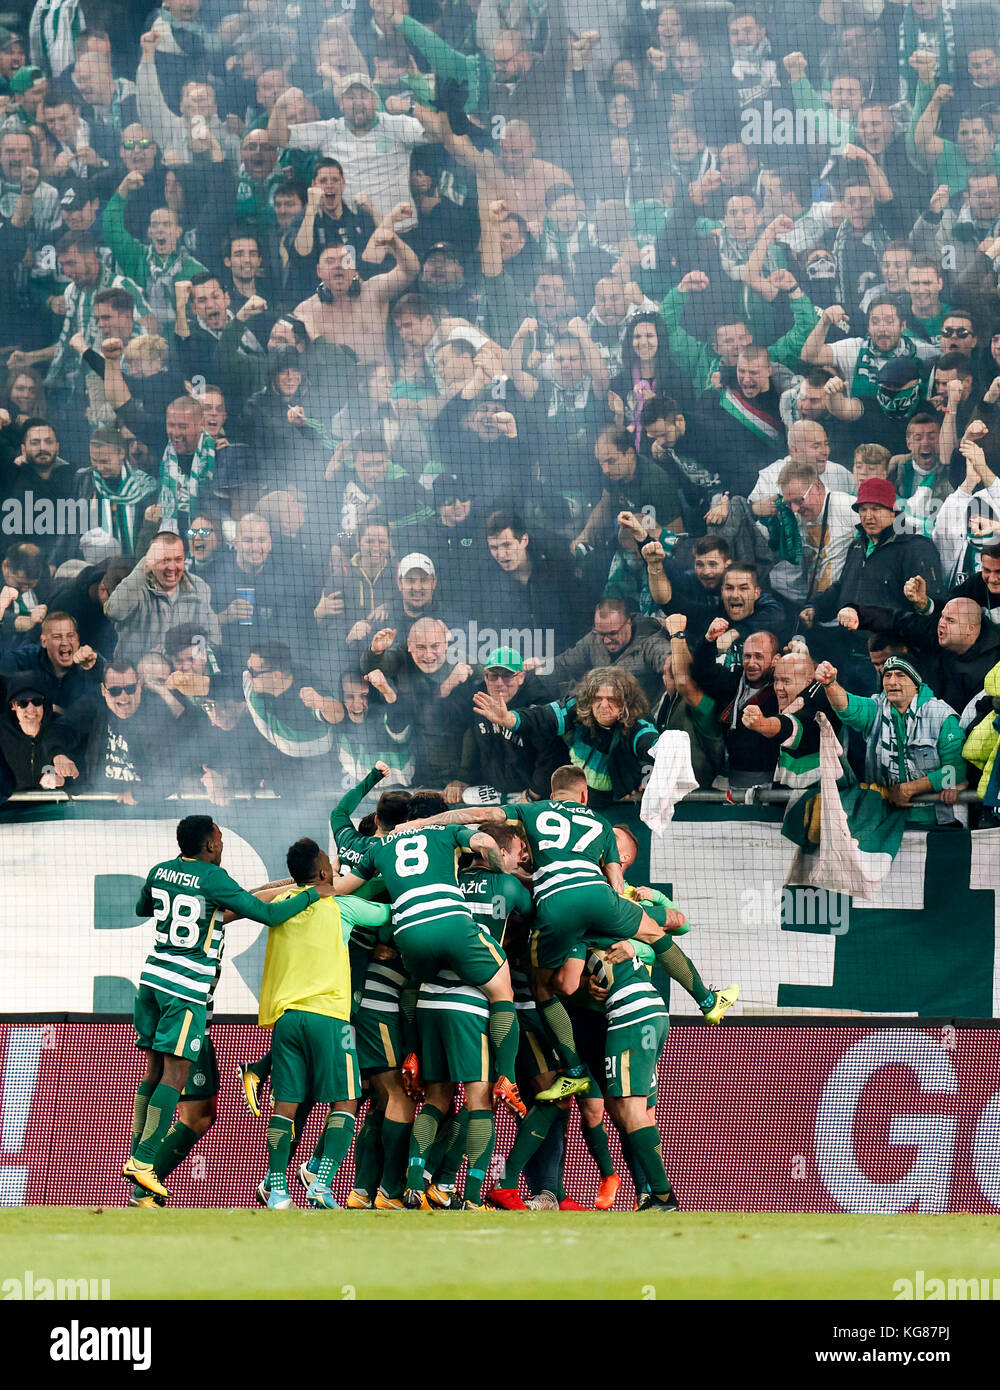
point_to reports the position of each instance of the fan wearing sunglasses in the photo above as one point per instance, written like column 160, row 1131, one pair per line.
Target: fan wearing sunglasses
column 33, row 741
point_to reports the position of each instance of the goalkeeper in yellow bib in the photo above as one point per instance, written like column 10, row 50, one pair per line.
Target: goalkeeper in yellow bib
column 305, row 997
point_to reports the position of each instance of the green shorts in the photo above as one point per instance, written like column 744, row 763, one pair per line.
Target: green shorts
column 168, row 1025
column 313, row 1058
column 454, row 943
column 453, row 1042
column 203, row 1078
column 380, row 1040
column 596, row 916
column 630, row 1056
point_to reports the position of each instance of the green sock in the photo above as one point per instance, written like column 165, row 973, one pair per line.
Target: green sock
column 682, row 969
column 174, row 1150
column 596, row 1139
column 454, row 1147
column 395, row 1148
column 560, row 1026
column 646, row 1147
column 504, row 1037
column 279, row 1146
column 159, row 1118
column 636, row 1172
column 479, row 1148
column 531, row 1135
column 261, row 1068
column 337, row 1135
column 302, row 1113
column 408, row 1040
column 140, row 1106
column 368, row 1152
column 425, row 1127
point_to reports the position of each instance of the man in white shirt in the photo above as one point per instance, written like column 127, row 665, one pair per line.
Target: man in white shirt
column 372, row 147
column 807, row 443
column 827, row 524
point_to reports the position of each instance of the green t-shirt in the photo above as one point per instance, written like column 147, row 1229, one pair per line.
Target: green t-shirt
column 420, row 873
column 569, row 845
column 186, row 898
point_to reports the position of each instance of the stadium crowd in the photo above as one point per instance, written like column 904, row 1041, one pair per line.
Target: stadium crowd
column 461, row 382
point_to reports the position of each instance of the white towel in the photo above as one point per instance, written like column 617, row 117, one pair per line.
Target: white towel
column 670, row 781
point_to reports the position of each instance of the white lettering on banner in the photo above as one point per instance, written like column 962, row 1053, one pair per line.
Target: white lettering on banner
column 51, row 952
column 927, row 1183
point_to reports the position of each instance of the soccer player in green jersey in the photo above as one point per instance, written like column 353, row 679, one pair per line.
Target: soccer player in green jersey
column 452, row 1027
column 189, row 898
column 577, row 885
column 434, row 930
column 637, row 1023
column 305, row 997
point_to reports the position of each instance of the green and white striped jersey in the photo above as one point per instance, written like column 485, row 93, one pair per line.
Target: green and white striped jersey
column 569, row 844
column 632, row 999
column 383, row 986
column 186, row 898
column 491, row 897
column 420, row 873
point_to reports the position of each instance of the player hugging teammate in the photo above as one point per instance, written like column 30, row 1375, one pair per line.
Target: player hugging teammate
column 390, row 981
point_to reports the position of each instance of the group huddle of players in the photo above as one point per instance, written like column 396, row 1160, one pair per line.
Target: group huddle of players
column 437, row 953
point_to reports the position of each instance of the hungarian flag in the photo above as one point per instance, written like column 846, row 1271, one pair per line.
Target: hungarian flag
column 847, row 834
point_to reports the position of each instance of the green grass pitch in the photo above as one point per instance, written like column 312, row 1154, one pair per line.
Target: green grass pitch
column 455, row 1255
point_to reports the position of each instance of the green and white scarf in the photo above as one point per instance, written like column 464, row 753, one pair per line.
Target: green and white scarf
column 117, row 503
column 52, row 34
column 294, row 743
column 177, row 492
column 870, row 363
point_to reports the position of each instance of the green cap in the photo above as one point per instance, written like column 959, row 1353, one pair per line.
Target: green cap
column 24, row 79
column 506, row 658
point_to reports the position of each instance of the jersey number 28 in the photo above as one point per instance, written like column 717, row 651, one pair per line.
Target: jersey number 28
column 184, row 913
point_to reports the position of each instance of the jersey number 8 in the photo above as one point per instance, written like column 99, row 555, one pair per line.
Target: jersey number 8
column 184, row 913
column 411, row 856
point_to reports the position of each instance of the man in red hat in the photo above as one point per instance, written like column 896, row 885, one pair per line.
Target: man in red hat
column 878, row 563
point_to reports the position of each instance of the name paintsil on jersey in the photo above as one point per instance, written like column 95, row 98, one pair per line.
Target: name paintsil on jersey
column 175, row 877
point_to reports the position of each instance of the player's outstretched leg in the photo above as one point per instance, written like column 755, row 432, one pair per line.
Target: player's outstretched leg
column 531, row 1134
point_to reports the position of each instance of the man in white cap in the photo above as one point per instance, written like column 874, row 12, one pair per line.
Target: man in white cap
column 373, row 148
column 417, row 582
